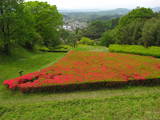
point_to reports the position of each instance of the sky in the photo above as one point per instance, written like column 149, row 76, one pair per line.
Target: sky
column 101, row 4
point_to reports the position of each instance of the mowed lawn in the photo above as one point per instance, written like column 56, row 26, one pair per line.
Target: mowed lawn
column 134, row 103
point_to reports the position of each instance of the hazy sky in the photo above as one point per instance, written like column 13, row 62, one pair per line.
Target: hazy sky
column 101, row 4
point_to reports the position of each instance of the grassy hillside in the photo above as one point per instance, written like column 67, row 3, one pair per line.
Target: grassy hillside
column 27, row 62
column 134, row 103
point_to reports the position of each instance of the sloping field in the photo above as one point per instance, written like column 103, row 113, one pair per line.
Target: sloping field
column 89, row 68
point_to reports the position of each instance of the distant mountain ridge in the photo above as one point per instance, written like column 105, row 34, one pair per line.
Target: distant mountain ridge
column 156, row 9
column 117, row 10
column 80, row 18
column 89, row 14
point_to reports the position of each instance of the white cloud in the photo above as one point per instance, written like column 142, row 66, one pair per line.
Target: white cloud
column 102, row 4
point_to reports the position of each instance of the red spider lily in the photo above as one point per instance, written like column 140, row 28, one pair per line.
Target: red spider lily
column 89, row 67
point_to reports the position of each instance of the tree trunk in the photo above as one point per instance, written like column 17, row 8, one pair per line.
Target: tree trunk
column 7, row 49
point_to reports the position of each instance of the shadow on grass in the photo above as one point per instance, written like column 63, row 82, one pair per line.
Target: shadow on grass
column 56, row 51
column 93, row 86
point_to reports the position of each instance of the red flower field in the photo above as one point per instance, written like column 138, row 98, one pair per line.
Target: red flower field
column 89, row 67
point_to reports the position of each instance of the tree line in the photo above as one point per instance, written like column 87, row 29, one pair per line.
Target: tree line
column 138, row 27
column 31, row 24
column 28, row 24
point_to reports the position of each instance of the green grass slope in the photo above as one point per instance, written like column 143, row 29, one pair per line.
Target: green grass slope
column 130, row 103
column 132, row 107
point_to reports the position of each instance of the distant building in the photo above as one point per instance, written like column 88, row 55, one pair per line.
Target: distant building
column 67, row 27
column 73, row 25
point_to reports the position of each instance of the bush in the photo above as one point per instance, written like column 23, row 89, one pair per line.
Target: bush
column 60, row 48
column 136, row 49
column 108, row 38
column 86, row 41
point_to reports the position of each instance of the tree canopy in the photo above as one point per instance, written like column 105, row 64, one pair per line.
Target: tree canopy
column 10, row 23
column 138, row 27
column 96, row 28
column 28, row 24
column 47, row 21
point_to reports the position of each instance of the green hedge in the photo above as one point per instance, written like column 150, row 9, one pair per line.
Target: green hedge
column 136, row 49
column 86, row 41
column 59, row 48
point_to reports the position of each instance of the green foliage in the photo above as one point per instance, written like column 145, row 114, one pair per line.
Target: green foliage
column 108, row 37
column 72, row 39
column 131, row 25
column 131, row 33
column 133, row 29
column 10, row 23
column 86, row 41
column 47, row 21
column 96, row 28
column 28, row 35
column 65, row 34
column 82, row 47
column 136, row 49
column 151, row 32
column 136, row 14
column 28, row 24
column 62, row 48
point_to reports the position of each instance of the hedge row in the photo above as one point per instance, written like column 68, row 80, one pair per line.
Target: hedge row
column 136, row 49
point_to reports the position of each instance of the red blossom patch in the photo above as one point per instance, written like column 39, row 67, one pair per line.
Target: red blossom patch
column 158, row 66
column 89, row 67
